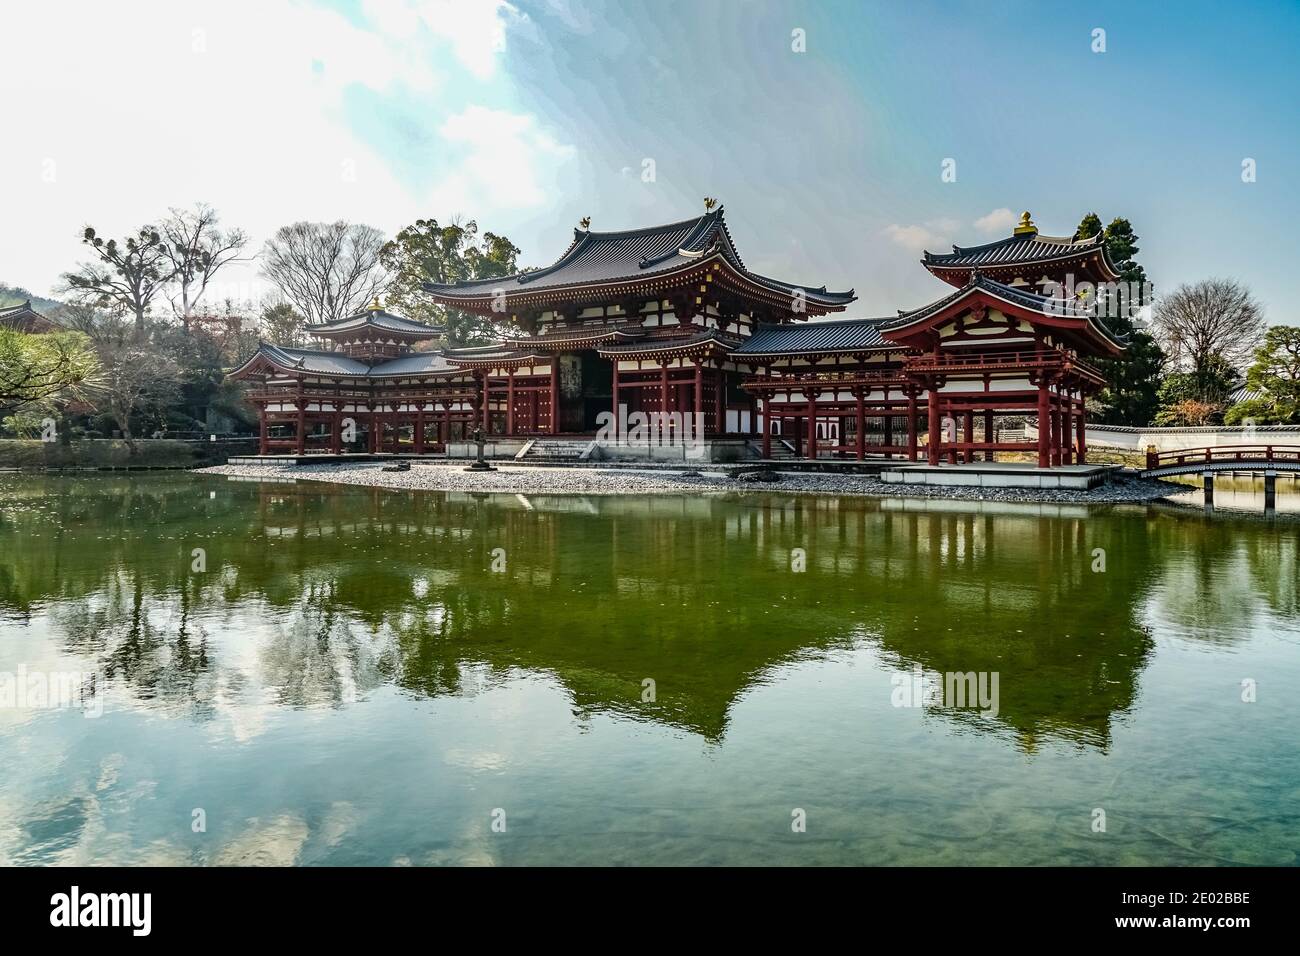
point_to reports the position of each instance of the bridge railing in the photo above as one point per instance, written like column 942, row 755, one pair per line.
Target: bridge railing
column 1223, row 453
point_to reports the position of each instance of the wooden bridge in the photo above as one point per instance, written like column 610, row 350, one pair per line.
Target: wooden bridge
column 1207, row 462
column 1239, row 458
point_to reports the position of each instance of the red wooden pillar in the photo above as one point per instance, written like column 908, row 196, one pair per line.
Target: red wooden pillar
column 618, row 418
column 264, row 435
column 663, row 387
column 911, row 425
column 796, row 431
column 699, row 403
column 812, row 425
column 555, row 394
column 988, row 433
column 419, row 429
column 889, row 431
column 720, row 379
column 510, row 402
column 1055, row 418
column 336, row 431
column 859, row 421
column 1044, row 426
column 767, row 428
column 1067, row 430
column 935, row 426
column 1083, row 439
column 968, row 430
column 301, row 436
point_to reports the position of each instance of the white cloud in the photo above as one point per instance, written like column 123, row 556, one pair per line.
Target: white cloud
column 477, row 30
column 499, row 156
column 933, row 235
column 998, row 221
column 937, row 235
column 248, row 111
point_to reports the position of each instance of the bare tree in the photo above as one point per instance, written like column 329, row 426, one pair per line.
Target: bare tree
column 1212, row 318
column 326, row 270
column 127, row 276
column 197, row 248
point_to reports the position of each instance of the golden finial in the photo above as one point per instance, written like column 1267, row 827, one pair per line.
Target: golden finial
column 585, row 223
column 1026, row 225
column 709, row 203
column 375, row 306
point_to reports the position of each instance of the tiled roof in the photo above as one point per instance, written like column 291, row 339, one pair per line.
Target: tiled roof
column 310, row 360
column 1243, row 393
column 374, row 318
column 24, row 318
column 845, row 335
column 580, row 334
column 1030, row 247
column 421, row 363
column 1030, row 300
column 1047, row 305
column 594, row 258
column 480, row 357
column 669, row 344
column 316, row 362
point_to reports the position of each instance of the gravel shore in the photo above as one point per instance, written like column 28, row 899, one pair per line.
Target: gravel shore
column 521, row 479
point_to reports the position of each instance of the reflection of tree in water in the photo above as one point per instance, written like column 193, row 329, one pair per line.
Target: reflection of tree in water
column 601, row 593
column 153, row 649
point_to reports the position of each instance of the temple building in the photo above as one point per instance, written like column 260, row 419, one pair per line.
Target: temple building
column 23, row 318
column 1006, row 343
column 643, row 319
column 668, row 324
column 395, row 398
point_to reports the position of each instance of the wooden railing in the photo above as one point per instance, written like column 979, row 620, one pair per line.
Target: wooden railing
column 1022, row 358
column 839, row 378
column 1221, row 454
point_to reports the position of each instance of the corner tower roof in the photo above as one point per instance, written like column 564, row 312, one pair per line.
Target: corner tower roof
column 374, row 318
column 1024, row 252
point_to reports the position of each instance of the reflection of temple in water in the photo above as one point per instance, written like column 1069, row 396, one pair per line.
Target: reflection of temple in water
column 362, row 588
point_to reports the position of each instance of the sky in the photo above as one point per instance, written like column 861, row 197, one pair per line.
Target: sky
column 824, row 128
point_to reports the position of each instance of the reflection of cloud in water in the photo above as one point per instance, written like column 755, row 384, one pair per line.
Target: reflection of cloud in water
column 476, row 760
column 275, row 842
column 317, row 658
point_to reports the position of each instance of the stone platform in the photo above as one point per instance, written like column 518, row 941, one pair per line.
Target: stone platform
column 1000, row 474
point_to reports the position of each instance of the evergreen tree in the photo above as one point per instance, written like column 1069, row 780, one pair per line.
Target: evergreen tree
column 1132, row 395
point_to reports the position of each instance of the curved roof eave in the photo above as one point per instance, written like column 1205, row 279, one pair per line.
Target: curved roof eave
column 819, row 296
column 1026, row 301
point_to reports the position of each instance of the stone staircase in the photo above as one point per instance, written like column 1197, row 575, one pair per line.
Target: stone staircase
column 782, row 450
column 557, row 450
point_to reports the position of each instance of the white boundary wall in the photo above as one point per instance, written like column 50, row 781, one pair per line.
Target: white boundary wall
column 1174, row 439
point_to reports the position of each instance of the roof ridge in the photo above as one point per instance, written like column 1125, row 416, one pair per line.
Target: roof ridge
column 1024, row 238
column 294, row 348
column 818, row 321
column 364, row 315
column 664, row 227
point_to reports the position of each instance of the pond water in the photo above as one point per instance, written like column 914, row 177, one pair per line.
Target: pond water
column 313, row 674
